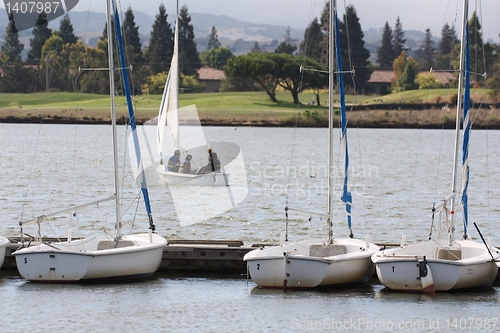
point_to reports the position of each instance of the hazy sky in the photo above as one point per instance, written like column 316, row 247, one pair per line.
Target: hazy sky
column 414, row 14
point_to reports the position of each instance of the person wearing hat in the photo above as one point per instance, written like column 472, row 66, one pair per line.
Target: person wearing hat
column 174, row 162
column 186, row 165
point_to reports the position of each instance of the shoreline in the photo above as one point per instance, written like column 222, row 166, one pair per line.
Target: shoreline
column 432, row 118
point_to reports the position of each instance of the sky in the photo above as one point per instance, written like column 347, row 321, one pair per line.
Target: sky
column 414, row 14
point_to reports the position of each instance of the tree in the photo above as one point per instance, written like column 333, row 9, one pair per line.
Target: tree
column 311, row 45
column 286, row 46
column 41, row 33
column 325, row 27
column 161, row 43
column 428, row 81
column 355, row 55
column 256, row 48
column 11, row 47
column 405, row 73
column 398, row 38
column 189, row 59
column 385, row 52
column 216, row 58
column 270, row 70
column 257, row 67
column 19, row 79
column 407, row 79
column 426, row 55
column 399, row 65
column 135, row 58
column 445, row 47
column 477, row 64
column 448, row 39
column 66, row 31
column 131, row 33
column 213, row 39
column 54, row 67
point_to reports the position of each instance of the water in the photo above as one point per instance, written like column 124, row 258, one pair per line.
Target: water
column 396, row 175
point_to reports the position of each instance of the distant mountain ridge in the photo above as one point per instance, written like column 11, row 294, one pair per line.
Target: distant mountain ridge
column 239, row 36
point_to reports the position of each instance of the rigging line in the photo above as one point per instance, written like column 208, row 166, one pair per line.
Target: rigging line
column 438, row 163
column 349, row 50
column 87, row 21
column 125, row 44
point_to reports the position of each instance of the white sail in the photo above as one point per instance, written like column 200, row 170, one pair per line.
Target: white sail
column 169, row 107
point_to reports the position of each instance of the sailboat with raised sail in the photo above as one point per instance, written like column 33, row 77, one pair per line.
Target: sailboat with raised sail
column 168, row 116
column 319, row 262
column 102, row 257
column 445, row 264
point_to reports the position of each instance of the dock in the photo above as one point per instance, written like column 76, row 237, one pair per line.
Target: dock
column 188, row 256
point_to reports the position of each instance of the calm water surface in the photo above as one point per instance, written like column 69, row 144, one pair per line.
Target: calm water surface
column 396, row 175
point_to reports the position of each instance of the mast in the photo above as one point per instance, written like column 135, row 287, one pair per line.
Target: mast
column 346, row 194
column 331, row 51
column 131, row 113
column 463, row 47
column 113, row 117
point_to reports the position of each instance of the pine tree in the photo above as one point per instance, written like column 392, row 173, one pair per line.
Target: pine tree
column 131, row 32
column 354, row 53
column 66, row 31
column 161, row 43
column 476, row 45
column 398, row 38
column 427, row 54
column 385, row 52
column 311, row 45
column 11, row 47
column 189, row 59
column 286, row 46
column 213, row 39
column 41, row 33
column 256, row 48
column 448, row 38
column 325, row 23
column 445, row 49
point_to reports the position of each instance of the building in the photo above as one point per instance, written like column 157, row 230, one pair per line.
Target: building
column 211, row 78
column 381, row 79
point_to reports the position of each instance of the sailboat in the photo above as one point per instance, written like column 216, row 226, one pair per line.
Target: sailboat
column 319, row 262
column 102, row 257
column 3, row 244
column 445, row 264
column 169, row 116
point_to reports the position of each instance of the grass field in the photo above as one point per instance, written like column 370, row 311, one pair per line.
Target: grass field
column 243, row 108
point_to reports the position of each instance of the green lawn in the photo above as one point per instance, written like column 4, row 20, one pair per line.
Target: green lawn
column 245, row 107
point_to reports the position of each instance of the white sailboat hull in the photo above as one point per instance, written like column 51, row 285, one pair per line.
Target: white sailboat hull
column 3, row 244
column 209, row 179
column 91, row 259
column 465, row 265
column 308, row 264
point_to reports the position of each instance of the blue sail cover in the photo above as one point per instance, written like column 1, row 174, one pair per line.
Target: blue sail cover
column 133, row 124
column 466, row 126
column 346, row 195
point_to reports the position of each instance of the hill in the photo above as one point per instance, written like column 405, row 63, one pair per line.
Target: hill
column 239, row 36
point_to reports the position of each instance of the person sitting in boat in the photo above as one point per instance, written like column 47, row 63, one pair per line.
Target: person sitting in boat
column 186, row 165
column 213, row 163
column 174, row 162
